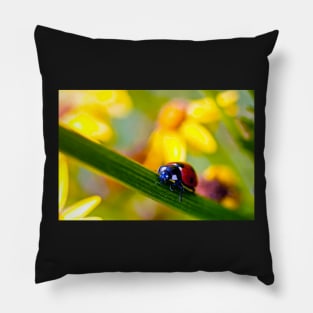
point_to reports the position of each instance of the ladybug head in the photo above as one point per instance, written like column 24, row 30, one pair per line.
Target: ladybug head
column 164, row 174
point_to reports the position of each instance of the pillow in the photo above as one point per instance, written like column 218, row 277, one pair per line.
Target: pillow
column 154, row 155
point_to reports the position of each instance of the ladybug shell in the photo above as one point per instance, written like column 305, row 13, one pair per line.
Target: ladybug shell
column 188, row 174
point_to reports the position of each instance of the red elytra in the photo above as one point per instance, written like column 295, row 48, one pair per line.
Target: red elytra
column 188, row 174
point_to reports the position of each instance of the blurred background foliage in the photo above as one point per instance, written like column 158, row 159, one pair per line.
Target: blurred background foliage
column 213, row 130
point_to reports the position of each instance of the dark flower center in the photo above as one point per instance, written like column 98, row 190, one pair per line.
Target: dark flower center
column 215, row 190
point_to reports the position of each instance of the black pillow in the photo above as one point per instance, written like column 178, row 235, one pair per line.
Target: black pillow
column 169, row 135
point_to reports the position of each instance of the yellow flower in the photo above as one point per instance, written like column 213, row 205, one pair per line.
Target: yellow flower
column 172, row 115
column 227, row 100
column 89, row 112
column 116, row 103
column 88, row 126
column 198, row 137
column 79, row 210
column 63, row 180
column 178, row 127
column 154, row 155
column 219, row 183
column 174, row 146
column 222, row 173
column 204, row 110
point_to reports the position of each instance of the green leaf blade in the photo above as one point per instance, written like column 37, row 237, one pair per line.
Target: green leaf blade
column 133, row 175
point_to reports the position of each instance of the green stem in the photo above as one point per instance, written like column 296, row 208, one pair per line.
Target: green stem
column 137, row 177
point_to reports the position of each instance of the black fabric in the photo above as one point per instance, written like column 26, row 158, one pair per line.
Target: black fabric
column 69, row 61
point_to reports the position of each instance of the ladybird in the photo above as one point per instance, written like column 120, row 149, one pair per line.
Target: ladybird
column 179, row 176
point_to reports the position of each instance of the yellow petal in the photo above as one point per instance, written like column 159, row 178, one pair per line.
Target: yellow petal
column 222, row 173
column 104, row 96
column 88, row 126
column 115, row 103
column 121, row 105
column 203, row 110
column 100, row 97
column 80, row 209
column 154, row 158
column 63, row 181
column 198, row 137
column 230, row 203
column 227, row 98
column 174, row 147
column 172, row 115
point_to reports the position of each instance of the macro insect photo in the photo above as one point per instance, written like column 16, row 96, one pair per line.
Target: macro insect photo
column 156, row 155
